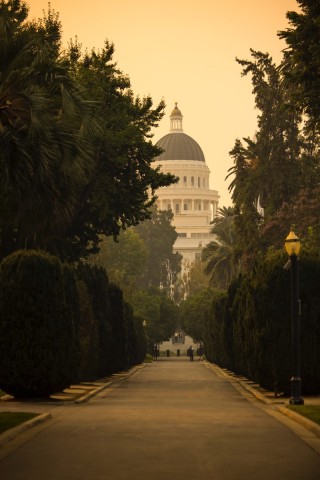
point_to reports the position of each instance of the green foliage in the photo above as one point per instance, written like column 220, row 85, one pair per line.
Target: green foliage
column 249, row 329
column 71, row 132
column 120, row 190
column 309, row 411
column 45, row 152
column 136, row 337
column 13, row 419
column 59, row 325
column 37, row 341
column 159, row 314
column 128, row 345
column 119, row 330
column 218, row 332
column 267, row 170
column 194, row 311
column 302, row 59
column 125, row 260
column 302, row 214
column 221, row 256
column 162, row 266
column 95, row 328
column 142, row 257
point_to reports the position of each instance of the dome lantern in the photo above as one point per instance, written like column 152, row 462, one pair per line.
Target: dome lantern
column 176, row 120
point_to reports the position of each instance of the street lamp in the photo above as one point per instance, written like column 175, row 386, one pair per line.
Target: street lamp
column 292, row 245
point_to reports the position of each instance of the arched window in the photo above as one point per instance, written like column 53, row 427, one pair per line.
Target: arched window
column 192, row 181
column 185, row 180
column 199, row 180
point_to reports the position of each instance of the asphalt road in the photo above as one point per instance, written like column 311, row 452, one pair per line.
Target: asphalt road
column 174, row 419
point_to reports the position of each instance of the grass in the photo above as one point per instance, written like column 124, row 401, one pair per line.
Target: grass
column 310, row 411
column 13, row 419
column 148, row 358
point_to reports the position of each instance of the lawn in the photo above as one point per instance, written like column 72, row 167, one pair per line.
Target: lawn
column 310, row 411
column 13, row 419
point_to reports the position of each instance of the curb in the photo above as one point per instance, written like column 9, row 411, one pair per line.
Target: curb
column 304, row 421
column 126, row 375
column 243, row 384
column 14, row 432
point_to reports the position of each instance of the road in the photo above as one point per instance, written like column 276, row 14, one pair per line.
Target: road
column 174, row 419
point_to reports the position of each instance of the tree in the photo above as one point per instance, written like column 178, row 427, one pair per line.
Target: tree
column 301, row 61
column 142, row 257
column 221, row 256
column 271, row 160
column 302, row 215
column 45, row 155
column 267, row 169
column 193, row 312
column 159, row 313
column 163, row 266
column 192, row 280
column 121, row 189
column 76, row 150
column 124, row 260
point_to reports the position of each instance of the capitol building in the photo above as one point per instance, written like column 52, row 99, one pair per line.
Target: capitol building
column 191, row 200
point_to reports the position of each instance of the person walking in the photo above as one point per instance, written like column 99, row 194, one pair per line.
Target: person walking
column 200, row 352
column 190, row 352
column 155, row 353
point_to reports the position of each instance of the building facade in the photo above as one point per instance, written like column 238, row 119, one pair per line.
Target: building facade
column 192, row 201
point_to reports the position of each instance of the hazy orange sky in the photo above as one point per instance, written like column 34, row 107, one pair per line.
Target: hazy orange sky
column 184, row 51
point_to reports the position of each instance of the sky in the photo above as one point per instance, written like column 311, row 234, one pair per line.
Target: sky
column 184, row 51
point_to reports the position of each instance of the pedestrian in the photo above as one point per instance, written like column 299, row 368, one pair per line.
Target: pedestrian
column 190, row 352
column 200, row 352
column 155, row 353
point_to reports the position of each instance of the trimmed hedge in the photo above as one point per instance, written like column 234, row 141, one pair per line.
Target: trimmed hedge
column 38, row 340
column 248, row 330
column 60, row 325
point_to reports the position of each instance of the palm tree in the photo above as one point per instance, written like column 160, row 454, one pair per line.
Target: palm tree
column 44, row 151
column 221, row 255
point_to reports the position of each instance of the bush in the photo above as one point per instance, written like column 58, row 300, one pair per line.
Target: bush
column 119, row 330
column 95, row 324
column 249, row 331
column 38, row 340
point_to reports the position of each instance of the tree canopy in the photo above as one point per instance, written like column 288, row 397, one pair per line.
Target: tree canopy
column 142, row 257
column 75, row 143
column 275, row 172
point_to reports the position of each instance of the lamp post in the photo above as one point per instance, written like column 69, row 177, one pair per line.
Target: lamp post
column 292, row 245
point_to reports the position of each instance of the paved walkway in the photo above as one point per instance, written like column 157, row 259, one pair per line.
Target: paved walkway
column 174, row 419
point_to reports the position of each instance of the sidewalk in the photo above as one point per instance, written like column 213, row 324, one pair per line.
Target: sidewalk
column 76, row 394
column 84, row 391
column 269, row 398
column 173, row 419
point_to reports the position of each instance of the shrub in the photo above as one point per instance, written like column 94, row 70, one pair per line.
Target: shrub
column 249, row 331
column 37, row 338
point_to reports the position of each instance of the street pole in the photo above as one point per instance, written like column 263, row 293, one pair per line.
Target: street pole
column 296, row 398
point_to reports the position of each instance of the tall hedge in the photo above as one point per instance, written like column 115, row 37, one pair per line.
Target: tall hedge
column 38, row 341
column 61, row 324
column 137, row 345
column 95, row 325
column 119, row 330
column 249, row 330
